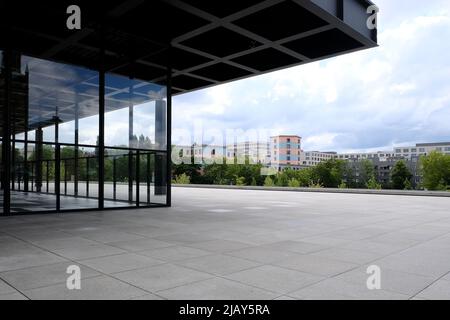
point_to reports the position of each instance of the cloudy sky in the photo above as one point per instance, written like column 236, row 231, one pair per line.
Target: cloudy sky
column 397, row 94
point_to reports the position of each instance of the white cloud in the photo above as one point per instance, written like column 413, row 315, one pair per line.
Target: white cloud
column 396, row 93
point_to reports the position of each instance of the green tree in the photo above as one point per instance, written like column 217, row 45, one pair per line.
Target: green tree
column 268, row 182
column 303, row 176
column 329, row 173
column 367, row 172
column 343, row 185
column 294, row 183
column 240, row 181
column 182, row 179
column 408, row 184
column 435, row 169
column 373, row 184
column 400, row 173
column 190, row 169
column 282, row 179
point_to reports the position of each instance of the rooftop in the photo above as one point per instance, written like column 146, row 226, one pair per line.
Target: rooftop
column 234, row 244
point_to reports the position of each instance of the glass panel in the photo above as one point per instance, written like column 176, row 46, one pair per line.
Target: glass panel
column 55, row 109
column 146, row 163
column 136, row 114
column 120, row 184
column 33, row 177
column 135, row 129
column 159, row 187
column 2, row 83
column 1, row 170
column 79, row 178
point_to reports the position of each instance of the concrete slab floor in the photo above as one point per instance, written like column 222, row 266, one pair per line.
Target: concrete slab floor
column 234, row 244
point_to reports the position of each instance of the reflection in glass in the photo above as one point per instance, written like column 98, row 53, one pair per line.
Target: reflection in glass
column 135, row 114
column 53, row 103
column 55, row 155
column 2, row 105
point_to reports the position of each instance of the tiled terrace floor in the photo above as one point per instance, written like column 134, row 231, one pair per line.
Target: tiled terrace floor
column 234, row 244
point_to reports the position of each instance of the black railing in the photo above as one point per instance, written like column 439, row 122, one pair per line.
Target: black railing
column 135, row 167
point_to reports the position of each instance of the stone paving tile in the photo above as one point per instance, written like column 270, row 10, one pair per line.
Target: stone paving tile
column 325, row 241
column 148, row 297
column 347, row 255
column 43, row 276
column 13, row 259
column 107, row 236
column 262, row 254
column 219, row 246
column 418, row 260
column 333, row 289
column 217, row 289
column 175, row 253
column 391, row 280
column 88, row 251
column 98, row 288
column 12, row 296
column 374, row 247
column 439, row 290
column 296, row 246
column 218, row 264
column 6, row 288
column 161, row 277
column 274, row 279
column 185, row 238
column 120, row 263
column 316, row 265
column 140, row 245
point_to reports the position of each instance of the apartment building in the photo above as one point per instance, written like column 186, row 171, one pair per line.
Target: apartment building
column 286, row 152
column 422, row 149
column 313, row 158
column 383, row 155
column 255, row 152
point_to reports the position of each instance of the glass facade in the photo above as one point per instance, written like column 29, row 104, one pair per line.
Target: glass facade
column 71, row 150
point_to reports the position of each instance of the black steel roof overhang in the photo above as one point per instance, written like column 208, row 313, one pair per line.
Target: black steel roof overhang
column 210, row 42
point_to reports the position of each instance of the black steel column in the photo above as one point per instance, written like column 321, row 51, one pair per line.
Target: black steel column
column 76, row 151
column 25, row 160
column 57, row 164
column 138, row 178
column 101, row 138
column 161, row 164
column 38, row 161
column 149, row 176
column 131, row 144
column 6, row 143
column 13, row 148
column 114, row 178
column 58, row 177
column 169, row 132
